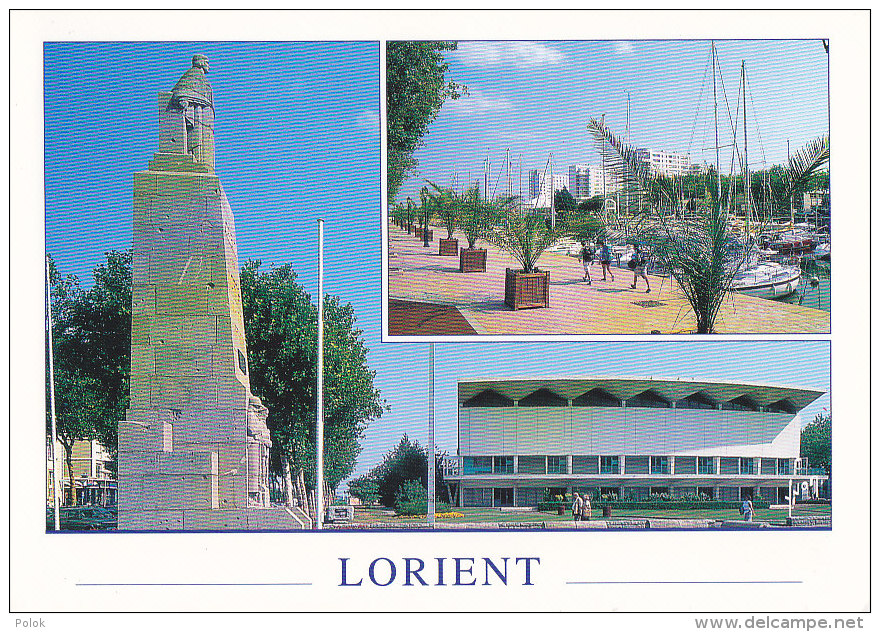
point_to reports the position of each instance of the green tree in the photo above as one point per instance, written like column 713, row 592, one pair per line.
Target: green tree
column 408, row 461
column 416, row 88
column 564, row 201
column 91, row 334
column 816, row 442
column 281, row 330
column 525, row 237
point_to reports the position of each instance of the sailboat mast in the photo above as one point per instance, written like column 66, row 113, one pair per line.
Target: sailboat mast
column 508, row 172
column 747, row 180
column 552, row 196
column 715, row 99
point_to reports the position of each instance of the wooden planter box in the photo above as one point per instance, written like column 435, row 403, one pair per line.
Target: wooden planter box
column 523, row 290
column 472, row 260
column 448, row 247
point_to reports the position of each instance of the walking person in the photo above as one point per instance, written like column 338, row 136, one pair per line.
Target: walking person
column 588, row 254
column 586, row 508
column 747, row 509
column 577, row 507
column 605, row 260
column 637, row 263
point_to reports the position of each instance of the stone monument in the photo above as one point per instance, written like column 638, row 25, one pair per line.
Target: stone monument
column 194, row 446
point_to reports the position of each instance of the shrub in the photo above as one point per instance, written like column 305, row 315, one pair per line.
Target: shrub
column 411, row 499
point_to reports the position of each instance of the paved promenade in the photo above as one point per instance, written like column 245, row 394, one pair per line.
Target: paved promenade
column 426, row 290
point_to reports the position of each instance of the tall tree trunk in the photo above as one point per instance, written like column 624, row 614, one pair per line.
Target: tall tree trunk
column 288, row 481
column 68, row 459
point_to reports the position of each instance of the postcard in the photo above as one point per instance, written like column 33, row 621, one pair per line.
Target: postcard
column 367, row 315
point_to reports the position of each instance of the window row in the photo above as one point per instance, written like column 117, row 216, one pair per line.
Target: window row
column 650, row 398
column 617, row 464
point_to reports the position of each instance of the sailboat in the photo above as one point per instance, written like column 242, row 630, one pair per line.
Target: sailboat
column 758, row 275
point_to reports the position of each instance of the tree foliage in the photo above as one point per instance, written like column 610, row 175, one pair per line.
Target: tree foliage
column 91, row 340
column 408, row 461
column 525, row 237
column 416, row 89
column 816, row 442
column 564, row 201
column 281, row 331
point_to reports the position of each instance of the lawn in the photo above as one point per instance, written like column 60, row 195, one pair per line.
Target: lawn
column 375, row 516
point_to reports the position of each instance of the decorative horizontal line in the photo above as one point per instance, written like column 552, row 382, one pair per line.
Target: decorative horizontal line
column 757, row 581
column 204, row 584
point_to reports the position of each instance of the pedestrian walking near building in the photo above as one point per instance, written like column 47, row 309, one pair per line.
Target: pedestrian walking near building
column 605, row 260
column 577, row 507
column 588, row 255
column 748, row 509
column 637, row 264
column 586, row 508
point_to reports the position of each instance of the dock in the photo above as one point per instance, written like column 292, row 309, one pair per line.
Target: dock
column 429, row 296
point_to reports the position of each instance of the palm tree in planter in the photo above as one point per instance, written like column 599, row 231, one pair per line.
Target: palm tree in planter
column 447, row 205
column 525, row 237
column 476, row 219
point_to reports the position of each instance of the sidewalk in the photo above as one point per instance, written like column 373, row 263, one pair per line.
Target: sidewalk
column 425, row 288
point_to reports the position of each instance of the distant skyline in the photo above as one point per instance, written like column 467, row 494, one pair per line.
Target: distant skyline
column 536, row 98
column 297, row 134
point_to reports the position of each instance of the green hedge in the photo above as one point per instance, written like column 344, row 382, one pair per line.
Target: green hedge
column 662, row 504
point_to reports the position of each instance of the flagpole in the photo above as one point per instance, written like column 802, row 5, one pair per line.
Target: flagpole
column 319, row 425
column 55, row 499
column 432, row 466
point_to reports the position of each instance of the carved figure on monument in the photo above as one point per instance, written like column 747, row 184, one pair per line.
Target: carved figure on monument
column 194, row 446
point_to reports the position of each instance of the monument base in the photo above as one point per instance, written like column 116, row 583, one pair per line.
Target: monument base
column 256, row 519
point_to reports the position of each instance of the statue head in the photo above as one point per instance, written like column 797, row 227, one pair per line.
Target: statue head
column 200, row 61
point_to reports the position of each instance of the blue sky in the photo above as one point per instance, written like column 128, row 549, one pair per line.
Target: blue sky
column 537, row 97
column 297, row 136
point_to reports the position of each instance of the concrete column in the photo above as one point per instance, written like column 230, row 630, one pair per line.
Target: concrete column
column 716, row 461
column 515, row 464
column 568, row 464
column 620, row 493
column 514, row 496
column 622, row 459
column 671, row 465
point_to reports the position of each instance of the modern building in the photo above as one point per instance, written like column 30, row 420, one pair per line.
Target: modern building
column 667, row 163
column 522, row 440
column 539, row 186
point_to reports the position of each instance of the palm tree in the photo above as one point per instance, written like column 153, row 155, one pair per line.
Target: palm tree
column 697, row 252
column 447, row 205
column 525, row 237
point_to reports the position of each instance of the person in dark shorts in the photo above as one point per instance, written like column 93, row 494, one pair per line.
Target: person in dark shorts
column 605, row 260
column 637, row 264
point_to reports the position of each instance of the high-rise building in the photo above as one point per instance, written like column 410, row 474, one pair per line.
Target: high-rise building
column 539, row 186
column 586, row 181
column 666, row 163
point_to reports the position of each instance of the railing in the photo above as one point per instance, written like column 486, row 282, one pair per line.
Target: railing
column 811, row 471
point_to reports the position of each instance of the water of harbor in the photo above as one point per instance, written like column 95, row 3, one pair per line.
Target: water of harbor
column 808, row 295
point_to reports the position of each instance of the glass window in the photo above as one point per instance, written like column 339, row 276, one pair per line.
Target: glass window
column 783, row 467
column 477, row 465
column 502, row 464
column 502, row 497
column 609, row 465
column 705, row 465
column 746, row 466
column 556, row 465
column 659, row 465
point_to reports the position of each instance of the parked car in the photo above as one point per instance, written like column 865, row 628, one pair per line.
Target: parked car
column 82, row 519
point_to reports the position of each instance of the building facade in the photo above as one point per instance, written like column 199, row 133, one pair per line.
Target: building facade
column 94, row 479
column 522, row 440
column 539, row 186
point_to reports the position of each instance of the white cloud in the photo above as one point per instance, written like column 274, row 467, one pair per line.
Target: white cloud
column 368, row 120
column 624, row 48
column 520, row 54
column 477, row 103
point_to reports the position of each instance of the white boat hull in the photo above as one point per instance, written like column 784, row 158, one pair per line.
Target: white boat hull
column 767, row 280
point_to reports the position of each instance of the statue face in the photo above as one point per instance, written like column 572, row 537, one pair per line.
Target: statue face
column 200, row 61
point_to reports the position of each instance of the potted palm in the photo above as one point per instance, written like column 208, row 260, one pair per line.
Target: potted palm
column 447, row 206
column 525, row 237
column 476, row 219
